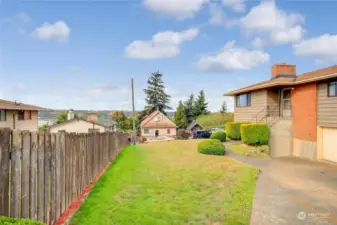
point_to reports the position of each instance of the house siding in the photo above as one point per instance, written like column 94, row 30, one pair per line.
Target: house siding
column 162, row 132
column 327, row 107
column 273, row 102
column 31, row 125
column 248, row 114
column 77, row 126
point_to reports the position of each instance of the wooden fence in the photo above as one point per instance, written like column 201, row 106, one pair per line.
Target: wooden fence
column 41, row 174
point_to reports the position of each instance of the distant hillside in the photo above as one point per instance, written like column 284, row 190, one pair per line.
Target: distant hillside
column 50, row 115
column 215, row 120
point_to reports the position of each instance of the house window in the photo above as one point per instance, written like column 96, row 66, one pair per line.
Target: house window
column 157, row 119
column 146, row 131
column 332, row 89
column 2, row 115
column 243, row 100
column 169, row 131
column 21, row 115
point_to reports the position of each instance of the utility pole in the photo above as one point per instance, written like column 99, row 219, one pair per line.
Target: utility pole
column 133, row 114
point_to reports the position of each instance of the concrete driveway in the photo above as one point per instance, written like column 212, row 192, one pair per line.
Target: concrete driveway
column 293, row 191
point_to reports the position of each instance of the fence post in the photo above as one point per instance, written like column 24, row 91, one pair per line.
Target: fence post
column 53, row 179
column 25, row 174
column 47, row 172
column 5, row 140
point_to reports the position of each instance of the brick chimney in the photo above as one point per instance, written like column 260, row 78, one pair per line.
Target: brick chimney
column 283, row 70
column 92, row 117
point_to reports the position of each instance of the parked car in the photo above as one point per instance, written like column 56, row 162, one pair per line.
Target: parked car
column 216, row 130
column 202, row 134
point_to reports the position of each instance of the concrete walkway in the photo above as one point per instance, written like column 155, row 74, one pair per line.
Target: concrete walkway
column 293, row 191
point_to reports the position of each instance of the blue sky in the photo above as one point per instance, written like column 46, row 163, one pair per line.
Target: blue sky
column 82, row 54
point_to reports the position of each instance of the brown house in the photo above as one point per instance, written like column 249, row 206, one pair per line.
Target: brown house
column 19, row 116
column 301, row 111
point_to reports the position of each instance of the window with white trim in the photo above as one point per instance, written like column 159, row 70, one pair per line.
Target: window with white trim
column 243, row 100
column 332, row 89
column 146, row 131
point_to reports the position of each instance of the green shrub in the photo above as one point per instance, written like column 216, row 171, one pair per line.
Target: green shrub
column 255, row 134
column 11, row 221
column 233, row 130
column 220, row 135
column 211, row 147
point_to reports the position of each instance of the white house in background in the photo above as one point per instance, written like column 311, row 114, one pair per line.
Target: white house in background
column 77, row 125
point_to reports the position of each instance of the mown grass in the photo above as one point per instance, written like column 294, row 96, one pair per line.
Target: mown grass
column 215, row 120
column 247, row 150
column 11, row 221
column 170, row 183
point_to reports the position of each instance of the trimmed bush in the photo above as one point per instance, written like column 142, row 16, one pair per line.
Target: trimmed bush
column 11, row 221
column 233, row 130
column 255, row 134
column 220, row 135
column 211, row 147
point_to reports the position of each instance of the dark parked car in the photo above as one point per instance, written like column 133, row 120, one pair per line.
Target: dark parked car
column 202, row 134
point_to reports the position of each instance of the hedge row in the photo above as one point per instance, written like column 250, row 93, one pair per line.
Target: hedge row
column 250, row 133
column 211, row 147
column 233, row 130
column 255, row 134
column 220, row 135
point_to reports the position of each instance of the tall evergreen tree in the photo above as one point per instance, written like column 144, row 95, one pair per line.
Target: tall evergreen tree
column 188, row 105
column 200, row 105
column 180, row 117
column 156, row 98
column 223, row 109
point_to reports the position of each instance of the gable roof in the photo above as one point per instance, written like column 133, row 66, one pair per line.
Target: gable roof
column 192, row 125
column 146, row 123
column 314, row 76
column 70, row 121
column 9, row 105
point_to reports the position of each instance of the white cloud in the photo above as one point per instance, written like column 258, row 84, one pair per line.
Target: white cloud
column 236, row 5
column 163, row 45
column 231, row 58
column 23, row 18
column 278, row 26
column 217, row 15
column 58, row 31
column 180, row 9
column 324, row 48
column 257, row 42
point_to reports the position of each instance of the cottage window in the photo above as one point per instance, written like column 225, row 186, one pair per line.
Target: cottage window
column 243, row 100
column 168, row 131
column 21, row 115
column 2, row 115
column 146, row 131
column 332, row 89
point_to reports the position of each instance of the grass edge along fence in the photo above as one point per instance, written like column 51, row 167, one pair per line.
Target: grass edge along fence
column 43, row 173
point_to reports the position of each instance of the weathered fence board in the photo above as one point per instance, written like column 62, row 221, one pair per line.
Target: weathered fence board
column 5, row 135
column 42, row 173
column 25, row 174
column 33, row 175
column 16, row 176
column 41, row 184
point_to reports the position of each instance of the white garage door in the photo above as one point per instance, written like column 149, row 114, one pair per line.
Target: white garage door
column 330, row 144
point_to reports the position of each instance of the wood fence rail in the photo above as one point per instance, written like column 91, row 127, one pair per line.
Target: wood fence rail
column 41, row 174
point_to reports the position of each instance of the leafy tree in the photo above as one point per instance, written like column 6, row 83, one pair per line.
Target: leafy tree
column 188, row 105
column 44, row 127
column 156, row 98
column 223, row 109
column 123, row 123
column 200, row 105
column 180, row 117
column 62, row 117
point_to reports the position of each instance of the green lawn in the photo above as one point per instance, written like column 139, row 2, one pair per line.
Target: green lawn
column 243, row 149
column 215, row 120
column 170, row 183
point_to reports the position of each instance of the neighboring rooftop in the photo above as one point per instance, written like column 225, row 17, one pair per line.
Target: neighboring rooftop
column 283, row 75
column 9, row 105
